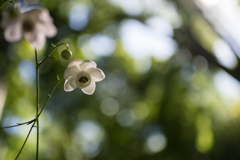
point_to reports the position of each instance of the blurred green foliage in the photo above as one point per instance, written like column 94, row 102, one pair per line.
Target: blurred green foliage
column 165, row 110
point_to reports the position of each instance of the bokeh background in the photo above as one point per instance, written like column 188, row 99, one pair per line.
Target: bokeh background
column 171, row 90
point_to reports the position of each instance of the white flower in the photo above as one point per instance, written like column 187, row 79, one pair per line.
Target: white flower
column 83, row 75
column 34, row 25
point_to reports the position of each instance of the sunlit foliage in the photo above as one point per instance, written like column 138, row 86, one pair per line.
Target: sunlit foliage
column 158, row 100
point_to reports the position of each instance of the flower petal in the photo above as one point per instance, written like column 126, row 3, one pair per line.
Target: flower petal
column 96, row 74
column 71, row 72
column 90, row 89
column 35, row 37
column 74, row 62
column 39, row 42
column 88, row 64
column 47, row 25
column 13, row 32
column 69, row 85
column 51, row 30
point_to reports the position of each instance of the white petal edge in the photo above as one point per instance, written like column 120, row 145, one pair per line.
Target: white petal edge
column 71, row 72
column 69, row 85
column 48, row 29
column 90, row 89
column 13, row 32
column 39, row 42
column 51, row 30
column 74, row 62
column 96, row 74
column 88, row 64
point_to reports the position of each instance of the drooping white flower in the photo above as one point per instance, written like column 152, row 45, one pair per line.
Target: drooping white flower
column 34, row 25
column 83, row 75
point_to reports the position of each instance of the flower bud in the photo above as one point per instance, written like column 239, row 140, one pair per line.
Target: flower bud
column 66, row 54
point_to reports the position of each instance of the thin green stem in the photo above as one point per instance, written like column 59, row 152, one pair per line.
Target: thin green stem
column 55, row 46
column 37, row 117
column 6, row 2
column 3, row 4
column 49, row 96
column 25, row 140
column 19, row 124
column 37, row 101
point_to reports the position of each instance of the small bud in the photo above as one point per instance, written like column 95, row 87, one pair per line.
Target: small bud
column 66, row 54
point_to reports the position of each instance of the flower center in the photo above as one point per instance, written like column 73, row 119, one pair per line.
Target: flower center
column 28, row 25
column 83, row 79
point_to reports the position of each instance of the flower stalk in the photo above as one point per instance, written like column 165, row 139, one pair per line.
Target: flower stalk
column 37, row 101
column 36, row 120
column 37, row 117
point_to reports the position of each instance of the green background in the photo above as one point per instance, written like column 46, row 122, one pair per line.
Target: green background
column 145, row 109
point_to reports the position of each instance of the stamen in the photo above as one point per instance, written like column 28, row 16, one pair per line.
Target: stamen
column 83, row 79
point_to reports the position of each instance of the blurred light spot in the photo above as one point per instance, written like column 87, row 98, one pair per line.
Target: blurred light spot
column 172, row 16
column 109, row 106
column 83, row 45
column 96, row 45
column 224, row 54
column 227, row 86
column 125, row 117
column 207, row 2
column 155, row 142
column 160, row 26
column 24, row 50
column 27, row 71
column 102, row 45
column 25, row 107
column 132, row 7
column 200, row 63
column 141, row 110
column 183, row 56
column 142, row 66
column 187, row 71
column 13, row 120
column 204, row 141
column 110, row 82
column 155, row 91
column 89, row 135
column 141, row 41
column 78, row 17
column 223, row 16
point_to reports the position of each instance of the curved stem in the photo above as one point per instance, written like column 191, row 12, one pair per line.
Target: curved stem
column 37, row 101
column 37, row 117
column 55, row 46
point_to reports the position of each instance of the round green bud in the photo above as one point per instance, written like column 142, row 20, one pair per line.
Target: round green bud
column 66, row 54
